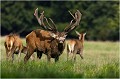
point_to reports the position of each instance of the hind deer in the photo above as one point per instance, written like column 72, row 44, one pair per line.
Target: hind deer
column 75, row 46
column 13, row 45
column 49, row 41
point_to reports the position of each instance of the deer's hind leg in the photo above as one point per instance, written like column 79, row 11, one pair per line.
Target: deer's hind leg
column 29, row 53
column 11, row 54
column 74, row 55
column 81, row 54
column 19, row 53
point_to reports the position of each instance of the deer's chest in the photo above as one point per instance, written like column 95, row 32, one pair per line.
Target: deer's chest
column 56, row 49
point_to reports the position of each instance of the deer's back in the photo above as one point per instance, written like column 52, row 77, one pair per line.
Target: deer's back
column 13, row 41
column 74, row 44
column 38, row 39
column 18, row 41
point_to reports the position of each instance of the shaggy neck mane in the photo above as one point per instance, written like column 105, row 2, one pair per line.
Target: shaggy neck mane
column 60, row 46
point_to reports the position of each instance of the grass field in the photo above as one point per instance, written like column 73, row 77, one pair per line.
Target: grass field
column 101, row 60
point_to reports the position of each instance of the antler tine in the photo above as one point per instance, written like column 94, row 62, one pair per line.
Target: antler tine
column 79, row 15
column 36, row 12
column 68, row 26
column 55, row 28
column 42, row 13
column 77, row 19
column 71, row 14
column 48, row 23
column 41, row 19
column 71, row 22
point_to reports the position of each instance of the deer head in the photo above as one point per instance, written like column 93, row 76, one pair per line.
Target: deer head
column 59, row 36
column 81, row 35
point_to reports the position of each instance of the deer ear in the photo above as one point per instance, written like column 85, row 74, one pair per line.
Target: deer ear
column 84, row 34
column 79, row 37
column 53, row 35
column 65, row 36
column 77, row 33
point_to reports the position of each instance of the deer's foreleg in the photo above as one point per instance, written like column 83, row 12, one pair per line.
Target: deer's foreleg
column 56, row 59
column 69, row 52
column 19, row 53
column 49, row 56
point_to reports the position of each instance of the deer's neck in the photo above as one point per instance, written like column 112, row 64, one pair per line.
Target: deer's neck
column 60, row 47
column 56, row 45
column 82, row 38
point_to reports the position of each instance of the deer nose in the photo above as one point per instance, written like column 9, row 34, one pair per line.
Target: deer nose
column 9, row 48
column 61, row 41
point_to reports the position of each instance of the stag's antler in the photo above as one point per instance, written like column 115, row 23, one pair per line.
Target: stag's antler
column 41, row 19
column 72, row 25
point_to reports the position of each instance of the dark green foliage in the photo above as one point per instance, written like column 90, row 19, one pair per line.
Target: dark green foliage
column 100, row 19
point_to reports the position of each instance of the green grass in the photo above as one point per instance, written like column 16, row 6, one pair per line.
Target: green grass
column 101, row 60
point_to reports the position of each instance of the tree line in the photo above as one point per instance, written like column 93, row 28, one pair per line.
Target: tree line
column 100, row 19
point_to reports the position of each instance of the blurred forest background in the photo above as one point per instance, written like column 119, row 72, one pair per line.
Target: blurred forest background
column 100, row 19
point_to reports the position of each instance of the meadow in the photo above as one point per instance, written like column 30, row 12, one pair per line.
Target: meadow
column 101, row 60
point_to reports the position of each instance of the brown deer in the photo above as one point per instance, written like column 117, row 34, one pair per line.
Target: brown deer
column 13, row 45
column 49, row 41
column 75, row 46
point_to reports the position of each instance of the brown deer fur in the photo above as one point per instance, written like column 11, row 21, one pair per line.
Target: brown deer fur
column 13, row 45
column 48, row 41
column 75, row 46
column 40, row 41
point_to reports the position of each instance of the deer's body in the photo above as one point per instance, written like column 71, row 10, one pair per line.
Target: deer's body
column 13, row 45
column 48, row 41
column 41, row 42
column 38, row 41
column 75, row 46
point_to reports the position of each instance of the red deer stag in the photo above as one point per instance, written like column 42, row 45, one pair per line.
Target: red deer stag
column 13, row 45
column 75, row 46
column 49, row 41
